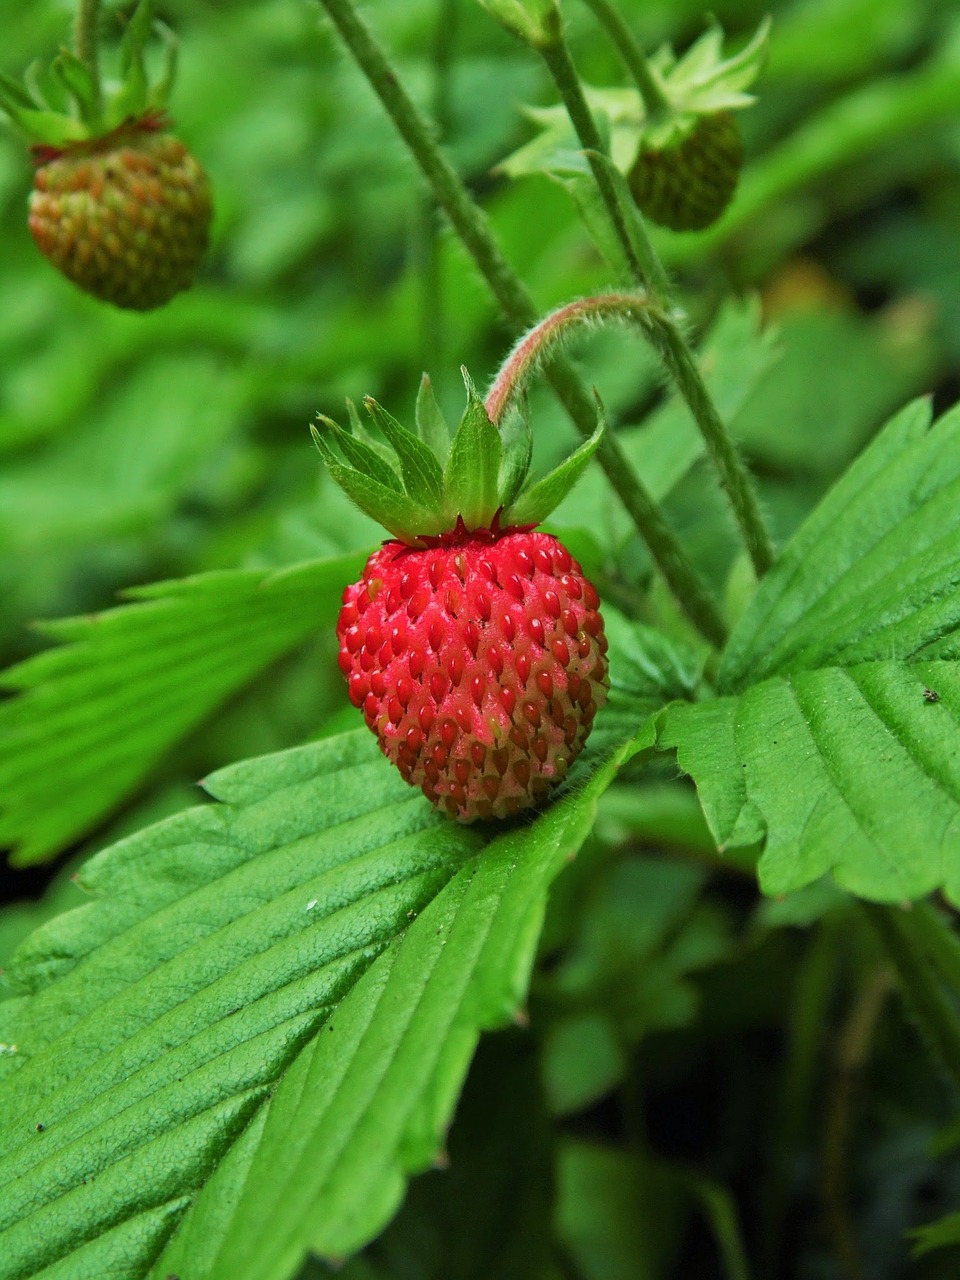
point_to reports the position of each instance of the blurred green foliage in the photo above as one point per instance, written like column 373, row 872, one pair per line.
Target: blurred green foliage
column 673, row 1096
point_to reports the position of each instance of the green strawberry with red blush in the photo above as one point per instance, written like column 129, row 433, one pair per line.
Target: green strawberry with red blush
column 473, row 642
column 120, row 206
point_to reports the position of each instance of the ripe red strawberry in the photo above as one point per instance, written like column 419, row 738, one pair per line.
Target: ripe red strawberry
column 472, row 643
column 479, row 664
column 119, row 204
column 126, row 216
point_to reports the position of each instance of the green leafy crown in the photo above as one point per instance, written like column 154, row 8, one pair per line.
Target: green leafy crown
column 66, row 101
column 422, row 484
column 700, row 83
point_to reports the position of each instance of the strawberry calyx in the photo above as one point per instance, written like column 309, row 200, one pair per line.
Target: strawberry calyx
column 460, row 534
column 67, row 104
column 431, row 489
column 152, row 121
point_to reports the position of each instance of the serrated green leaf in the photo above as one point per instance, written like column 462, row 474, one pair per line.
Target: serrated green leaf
column 367, row 1103
column 431, row 423
column 874, row 573
column 536, row 503
column 96, row 714
column 839, row 749
column 361, row 456
column 845, row 770
column 321, row 924
column 473, row 469
column 422, row 473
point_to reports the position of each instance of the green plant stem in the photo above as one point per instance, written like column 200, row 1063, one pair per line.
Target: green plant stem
column 807, row 1019
column 853, row 1052
column 537, row 343
column 634, row 59
column 474, row 231
column 645, row 266
column 85, row 39
column 427, row 230
column 648, row 272
column 901, row 932
column 733, row 474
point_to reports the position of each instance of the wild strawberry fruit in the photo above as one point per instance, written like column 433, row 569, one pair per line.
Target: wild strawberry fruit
column 677, row 142
column 119, row 204
column 687, row 184
column 472, row 643
column 126, row 216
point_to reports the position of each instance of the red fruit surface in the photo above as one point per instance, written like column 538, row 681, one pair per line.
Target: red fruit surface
column 125, row 217
column 479, row 664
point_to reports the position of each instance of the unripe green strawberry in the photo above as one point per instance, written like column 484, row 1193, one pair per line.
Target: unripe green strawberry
column 674, row 137
column 687, row 184
column 478, row 663
column 126, row 217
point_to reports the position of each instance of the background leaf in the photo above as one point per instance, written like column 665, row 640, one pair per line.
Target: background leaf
column 94, row 715
column 840, row 749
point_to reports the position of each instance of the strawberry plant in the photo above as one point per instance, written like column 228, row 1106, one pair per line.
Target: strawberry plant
column 571, row 891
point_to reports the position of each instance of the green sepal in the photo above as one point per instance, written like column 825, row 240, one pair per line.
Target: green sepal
column 516, row 438
column 61, row 102
column 135, row 38
column 473, row 468
column 77, row 78
column 361, row 456
column 159, row 93
column 357, row 429
column 421, row 470
column 45, row 126
column 700, row 83
column 431, row 424
column 14, row 95
column 536, row 503
column 393, row 509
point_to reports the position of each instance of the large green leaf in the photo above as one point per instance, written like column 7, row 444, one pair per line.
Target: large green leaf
column 267, row 1013
column 874, row 573
column 838, row 742
column 96, row 714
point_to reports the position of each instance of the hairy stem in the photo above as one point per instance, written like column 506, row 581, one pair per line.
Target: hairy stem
column 905, row 936
column 648, row 272
column 538, row 342
column 634, row 59
column 427, row 230
column 473, row 229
